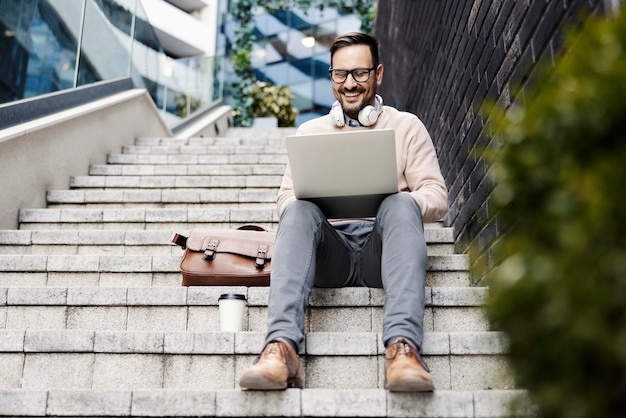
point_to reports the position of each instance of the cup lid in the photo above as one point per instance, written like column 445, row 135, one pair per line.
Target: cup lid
column 237, row 296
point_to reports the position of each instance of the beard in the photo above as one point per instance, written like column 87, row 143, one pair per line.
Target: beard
column 352, row 108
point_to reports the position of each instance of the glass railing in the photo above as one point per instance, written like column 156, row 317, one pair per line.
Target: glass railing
column 52, row 45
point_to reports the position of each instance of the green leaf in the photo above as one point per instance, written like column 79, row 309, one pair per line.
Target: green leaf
column 558, row 289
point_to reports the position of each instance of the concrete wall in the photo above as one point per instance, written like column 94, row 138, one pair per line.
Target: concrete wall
column 444, row 58
column 43, row 154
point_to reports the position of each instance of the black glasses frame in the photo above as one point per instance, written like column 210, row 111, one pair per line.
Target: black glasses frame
column 350, row 72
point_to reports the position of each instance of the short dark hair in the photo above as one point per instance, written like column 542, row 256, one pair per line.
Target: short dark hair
column 356, row 38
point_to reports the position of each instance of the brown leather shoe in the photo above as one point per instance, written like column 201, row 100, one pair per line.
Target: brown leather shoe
column 277, row 367
column 404, row 369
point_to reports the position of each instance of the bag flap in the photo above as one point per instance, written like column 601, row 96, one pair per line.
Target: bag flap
column 244, row 242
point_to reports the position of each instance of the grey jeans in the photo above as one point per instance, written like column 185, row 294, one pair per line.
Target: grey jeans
column 389, row 252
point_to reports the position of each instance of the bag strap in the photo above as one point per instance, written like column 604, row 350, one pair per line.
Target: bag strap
column 180, row 240
column 251, row 227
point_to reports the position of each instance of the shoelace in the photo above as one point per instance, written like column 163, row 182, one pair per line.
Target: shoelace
column 272, row 348
column 406, row 349
column 403, row 348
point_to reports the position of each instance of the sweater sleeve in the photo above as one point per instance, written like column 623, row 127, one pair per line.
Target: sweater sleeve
column 423, row 175
column 285, row 194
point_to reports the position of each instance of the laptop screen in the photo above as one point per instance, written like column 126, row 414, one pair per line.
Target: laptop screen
column 347, row 174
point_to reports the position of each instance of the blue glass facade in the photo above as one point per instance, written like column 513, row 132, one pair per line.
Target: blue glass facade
column 292, row 49
column 52, row 45
column 37, row 50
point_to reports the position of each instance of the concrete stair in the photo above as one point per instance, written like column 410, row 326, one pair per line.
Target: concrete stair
column 94, row 320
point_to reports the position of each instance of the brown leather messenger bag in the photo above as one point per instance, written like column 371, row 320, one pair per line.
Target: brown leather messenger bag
column 226, row 257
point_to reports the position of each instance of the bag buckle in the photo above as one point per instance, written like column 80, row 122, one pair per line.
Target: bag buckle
column 261, row 256
column 209, row 253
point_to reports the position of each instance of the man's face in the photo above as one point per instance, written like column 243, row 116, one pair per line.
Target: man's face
column 353, row 95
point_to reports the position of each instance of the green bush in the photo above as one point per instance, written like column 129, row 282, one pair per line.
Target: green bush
column 559, row 286
column 269, row 100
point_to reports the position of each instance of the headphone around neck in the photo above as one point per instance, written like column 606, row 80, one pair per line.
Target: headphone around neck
column 367, row 116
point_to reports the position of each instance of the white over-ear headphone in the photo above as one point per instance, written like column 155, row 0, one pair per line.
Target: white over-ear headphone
column 367, row 116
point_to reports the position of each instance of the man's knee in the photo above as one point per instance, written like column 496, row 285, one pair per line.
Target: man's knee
column 301, row 211
column 399, row 207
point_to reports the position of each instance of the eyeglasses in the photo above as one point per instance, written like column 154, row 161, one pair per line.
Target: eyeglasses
column 360, row 75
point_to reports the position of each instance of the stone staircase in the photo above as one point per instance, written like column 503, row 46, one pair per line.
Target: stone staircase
column 94, row 320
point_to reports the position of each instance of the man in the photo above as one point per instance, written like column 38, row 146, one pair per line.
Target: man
column 388, row 251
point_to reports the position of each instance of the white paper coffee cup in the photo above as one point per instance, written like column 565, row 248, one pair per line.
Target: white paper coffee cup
column 232, row 309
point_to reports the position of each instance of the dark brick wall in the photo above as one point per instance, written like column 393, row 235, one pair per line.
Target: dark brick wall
column 443, row 58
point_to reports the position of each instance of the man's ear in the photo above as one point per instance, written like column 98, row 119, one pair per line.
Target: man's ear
column 379, row 74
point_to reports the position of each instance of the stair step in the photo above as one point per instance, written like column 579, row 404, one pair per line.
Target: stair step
column 193, row 216
column 48, row 359
column 238, row 403
column 140, row 218
column 159, row 279
column 209, row 149
column 187, row 159
column 216, row 343
column 151, row 263
column 221, row 197
column 433, row 235
column 440, row 241
column 448, row 309
column 208, row 295
column 186, row 182
column 186, row 170
column 234, row 136
column 277, row 139
column 225, row 198
column 206, row 318
column 143, row 249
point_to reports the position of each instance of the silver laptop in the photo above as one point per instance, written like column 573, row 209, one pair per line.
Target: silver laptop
column 346, row 174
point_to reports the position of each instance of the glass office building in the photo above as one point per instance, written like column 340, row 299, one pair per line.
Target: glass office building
column 292, row 49
column 52, row 45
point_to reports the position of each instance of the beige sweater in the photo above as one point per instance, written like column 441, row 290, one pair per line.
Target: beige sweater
column 418, row 168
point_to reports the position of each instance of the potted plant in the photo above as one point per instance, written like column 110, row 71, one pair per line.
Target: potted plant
column 273, row 102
